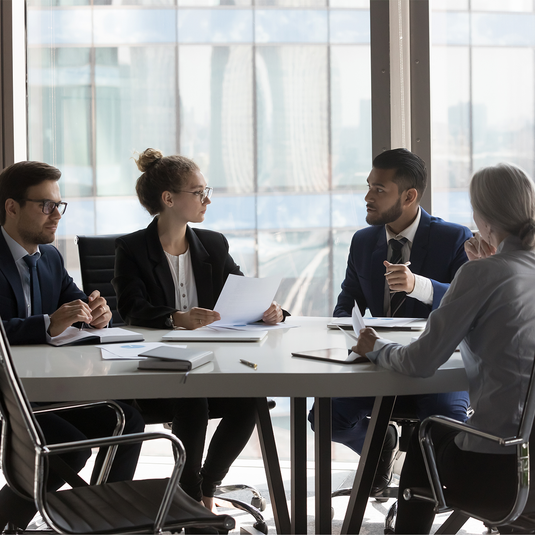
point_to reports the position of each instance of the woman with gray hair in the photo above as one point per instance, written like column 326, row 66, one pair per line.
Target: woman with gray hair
column 489, row 311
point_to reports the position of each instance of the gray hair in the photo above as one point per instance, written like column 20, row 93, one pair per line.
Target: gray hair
column 504, row 196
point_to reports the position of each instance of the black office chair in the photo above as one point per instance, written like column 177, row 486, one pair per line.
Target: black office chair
column 445, row 501
column 97, row 264
column 141, row 506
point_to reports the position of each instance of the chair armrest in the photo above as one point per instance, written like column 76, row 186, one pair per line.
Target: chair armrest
column 167, row 498
column 426, row 444
column 119, row 427
column 467, row 428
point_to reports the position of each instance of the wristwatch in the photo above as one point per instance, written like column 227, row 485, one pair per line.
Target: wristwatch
column 170, row 322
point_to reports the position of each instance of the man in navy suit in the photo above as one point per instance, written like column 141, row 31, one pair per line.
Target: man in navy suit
column 379, row 278
column 39, row 300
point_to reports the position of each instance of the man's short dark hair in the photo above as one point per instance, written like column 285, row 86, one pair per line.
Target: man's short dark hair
column 410, row 169
column 17, row 178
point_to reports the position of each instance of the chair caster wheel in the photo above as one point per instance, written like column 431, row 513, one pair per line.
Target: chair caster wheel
column 259, row 502
column 380, row 499
column 261, row 526
column 332, row 513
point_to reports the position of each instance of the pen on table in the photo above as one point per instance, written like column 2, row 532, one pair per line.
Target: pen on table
column 250, row 364
column 405, row 264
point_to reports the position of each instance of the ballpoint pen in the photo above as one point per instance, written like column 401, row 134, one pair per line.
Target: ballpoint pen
column 250, row 364
column 405, row 264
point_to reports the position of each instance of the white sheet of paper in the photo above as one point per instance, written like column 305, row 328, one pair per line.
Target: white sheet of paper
column 245, row 299
column 252, row 327
column 357, row 320
column 129, row 351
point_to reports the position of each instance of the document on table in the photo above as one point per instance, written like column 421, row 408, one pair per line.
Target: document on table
column 244, row 300
column 130, row 351
column 402, row 324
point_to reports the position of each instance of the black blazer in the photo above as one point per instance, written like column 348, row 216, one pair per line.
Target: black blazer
column 143, row 280
column 57, row 288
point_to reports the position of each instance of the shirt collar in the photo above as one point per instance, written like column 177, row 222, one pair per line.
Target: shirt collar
column 17, row 250
column 407, row 233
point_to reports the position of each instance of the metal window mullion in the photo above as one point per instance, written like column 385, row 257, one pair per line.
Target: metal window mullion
column 380, row 75
column 420, row 82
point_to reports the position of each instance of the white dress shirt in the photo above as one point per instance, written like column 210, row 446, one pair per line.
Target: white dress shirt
column 489, row 310
column 423, row 287
column 184, row 280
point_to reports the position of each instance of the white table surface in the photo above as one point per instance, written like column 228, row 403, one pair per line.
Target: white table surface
column 78, row 373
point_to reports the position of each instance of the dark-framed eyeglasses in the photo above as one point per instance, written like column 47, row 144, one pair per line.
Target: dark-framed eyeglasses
column 48, row 206
column 204, row 194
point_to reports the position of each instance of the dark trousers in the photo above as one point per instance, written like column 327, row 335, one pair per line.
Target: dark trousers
column 189, row 417
column 74, row 425
column 350, row 415
column 482, row 481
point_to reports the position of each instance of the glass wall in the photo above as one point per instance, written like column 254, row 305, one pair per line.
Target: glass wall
column 483, row 94
column 272, row 100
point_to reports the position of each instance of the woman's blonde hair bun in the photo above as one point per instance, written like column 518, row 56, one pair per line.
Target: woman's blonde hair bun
column 148, row 158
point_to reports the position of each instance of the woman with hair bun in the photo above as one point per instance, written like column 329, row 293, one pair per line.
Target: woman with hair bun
column 170, row 275
column 489, row 311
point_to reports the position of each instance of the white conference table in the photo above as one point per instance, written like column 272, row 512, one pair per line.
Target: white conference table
column 78, row 373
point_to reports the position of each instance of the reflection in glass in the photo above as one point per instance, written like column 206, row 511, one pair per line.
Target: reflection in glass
column 134, row 26
column 216, row 92
column 292, row 116
column 349, row 26
column 135, row 109
column 503, row 106
column 58, row 26
column 293, row 211
column 59, row 96
column 302, row 259
column 215, row 26
column 450, row 78
column 291, row 26
column 350, row 115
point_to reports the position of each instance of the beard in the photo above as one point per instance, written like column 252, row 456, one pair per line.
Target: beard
column 36, row 237
column 386, row 217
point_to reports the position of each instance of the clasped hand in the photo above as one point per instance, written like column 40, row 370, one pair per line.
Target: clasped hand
column 95, row 312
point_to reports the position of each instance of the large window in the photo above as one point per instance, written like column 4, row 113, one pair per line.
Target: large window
column 272, row 101
column 483, row 94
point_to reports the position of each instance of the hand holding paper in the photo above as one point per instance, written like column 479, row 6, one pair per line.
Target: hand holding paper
column 357, row 320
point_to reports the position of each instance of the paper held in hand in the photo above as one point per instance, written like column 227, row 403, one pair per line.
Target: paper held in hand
column 245, row 299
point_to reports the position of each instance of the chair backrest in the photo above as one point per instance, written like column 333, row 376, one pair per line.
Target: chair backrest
column 21, row 435
column 97, row 263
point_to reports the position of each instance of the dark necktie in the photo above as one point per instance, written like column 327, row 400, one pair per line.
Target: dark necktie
column 34, row 284
column 397, row 300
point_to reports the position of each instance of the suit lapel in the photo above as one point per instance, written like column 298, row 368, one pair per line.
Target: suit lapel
column 202, row 270
column 378, row 269
column 11, row 273
column 161, row 268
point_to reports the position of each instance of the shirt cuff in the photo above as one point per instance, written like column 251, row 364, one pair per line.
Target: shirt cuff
column 423, row 290
column 377, row 348
column 46, row 319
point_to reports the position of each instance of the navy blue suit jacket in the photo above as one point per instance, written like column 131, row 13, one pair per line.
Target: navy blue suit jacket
column 437, row 253
column 57, row 288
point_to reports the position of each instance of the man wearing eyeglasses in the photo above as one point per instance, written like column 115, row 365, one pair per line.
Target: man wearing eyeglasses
column 38, row 298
